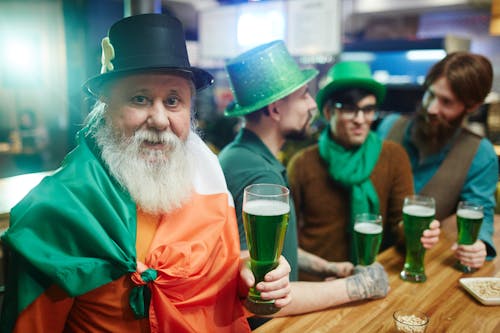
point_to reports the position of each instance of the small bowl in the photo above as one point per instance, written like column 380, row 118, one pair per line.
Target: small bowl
column 410, row 321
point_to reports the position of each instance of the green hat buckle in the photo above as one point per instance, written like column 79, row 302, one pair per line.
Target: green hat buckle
column 262, row 76
column 349, row 74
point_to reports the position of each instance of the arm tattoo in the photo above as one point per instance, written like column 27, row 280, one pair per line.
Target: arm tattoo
column 368, row 282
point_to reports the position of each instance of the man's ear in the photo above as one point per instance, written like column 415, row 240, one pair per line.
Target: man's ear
column 273, row 110
column 473, row 108
column 327, row 112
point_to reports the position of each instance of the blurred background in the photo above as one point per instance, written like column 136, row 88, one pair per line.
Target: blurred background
column 48, row 48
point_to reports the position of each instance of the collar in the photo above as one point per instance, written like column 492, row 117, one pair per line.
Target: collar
column 251, row 141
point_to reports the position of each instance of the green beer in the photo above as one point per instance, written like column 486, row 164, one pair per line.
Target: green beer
column 468, row 225
column 416, row 219
column 469, row 220
column 265, row 223
column 367, row 237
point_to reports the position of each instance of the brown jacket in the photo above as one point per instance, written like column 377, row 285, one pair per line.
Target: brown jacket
column 323, row 206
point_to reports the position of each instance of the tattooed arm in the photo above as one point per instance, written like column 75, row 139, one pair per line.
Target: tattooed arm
column 313, row 264
column 367, row 282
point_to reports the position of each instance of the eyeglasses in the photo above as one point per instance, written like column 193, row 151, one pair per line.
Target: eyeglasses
column 349, row 111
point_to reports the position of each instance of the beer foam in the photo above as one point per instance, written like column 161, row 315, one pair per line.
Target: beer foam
column 266, row 207
column 420, row 211
column 368, row 228
column 470, row 214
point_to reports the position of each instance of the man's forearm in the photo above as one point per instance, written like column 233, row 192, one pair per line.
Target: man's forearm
column 367, row 282
column 315, row 296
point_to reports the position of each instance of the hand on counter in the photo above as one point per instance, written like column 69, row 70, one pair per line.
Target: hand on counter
column 368, row 282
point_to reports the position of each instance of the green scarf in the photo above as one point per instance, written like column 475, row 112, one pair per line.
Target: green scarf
column 352, row 169
column 76, row 229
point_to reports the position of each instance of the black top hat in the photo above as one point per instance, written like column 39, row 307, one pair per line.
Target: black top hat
column 145, row 43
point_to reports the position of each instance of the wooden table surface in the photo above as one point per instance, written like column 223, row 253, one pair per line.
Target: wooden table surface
column 450, row 307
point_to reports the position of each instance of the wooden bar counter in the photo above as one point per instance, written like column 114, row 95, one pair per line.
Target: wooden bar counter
column 450, row 307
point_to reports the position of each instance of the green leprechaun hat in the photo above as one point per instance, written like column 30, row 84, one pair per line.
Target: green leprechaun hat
column 349, row 74
column 263, row 75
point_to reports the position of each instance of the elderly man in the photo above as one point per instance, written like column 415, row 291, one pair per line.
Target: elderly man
column 350, row 171
column 131, row 234
column 271, row 94
column 448, row 162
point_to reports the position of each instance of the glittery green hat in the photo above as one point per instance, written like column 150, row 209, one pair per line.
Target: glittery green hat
column 349, row 74
column 263, row 75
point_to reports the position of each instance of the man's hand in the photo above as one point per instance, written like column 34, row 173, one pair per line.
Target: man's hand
column 325, row 269
column 338, row 269
column 471, row 255
column 276, row 284
column 430, row 237
column 367, row 282
column 334, row 270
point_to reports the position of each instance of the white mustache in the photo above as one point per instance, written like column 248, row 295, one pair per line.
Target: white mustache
column 155, row 137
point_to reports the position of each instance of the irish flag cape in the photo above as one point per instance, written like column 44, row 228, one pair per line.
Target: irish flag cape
column 77, row 229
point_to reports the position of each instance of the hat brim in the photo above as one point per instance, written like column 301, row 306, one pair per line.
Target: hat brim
column 375, row 87
column 236, row 110
column 200, row 78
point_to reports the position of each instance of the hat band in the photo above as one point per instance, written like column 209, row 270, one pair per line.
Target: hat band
column 152, row 61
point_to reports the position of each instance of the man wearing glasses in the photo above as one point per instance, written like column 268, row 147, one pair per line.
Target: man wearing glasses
column 350, row 171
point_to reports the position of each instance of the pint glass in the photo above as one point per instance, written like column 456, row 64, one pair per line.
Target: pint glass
column 266, row 211
column 418, row 213
column 367, row 237
column 469, row 220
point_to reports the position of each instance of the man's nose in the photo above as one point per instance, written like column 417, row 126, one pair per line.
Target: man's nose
column 359, row 116
column 158, row 116
column 312, row 106
column 312, row 102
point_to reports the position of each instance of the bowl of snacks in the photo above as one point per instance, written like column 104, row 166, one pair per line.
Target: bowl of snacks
column 410, row 321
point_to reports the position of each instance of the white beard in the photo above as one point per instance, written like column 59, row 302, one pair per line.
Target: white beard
column 159, row 181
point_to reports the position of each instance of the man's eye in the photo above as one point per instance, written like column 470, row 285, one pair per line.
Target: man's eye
column 446, row 101
column 428, row 95
column 369, row 108
column 350, row 108
column 140, row 100
column 172, row 101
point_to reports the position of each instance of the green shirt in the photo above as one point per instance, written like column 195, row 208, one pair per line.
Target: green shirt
column 247, row 161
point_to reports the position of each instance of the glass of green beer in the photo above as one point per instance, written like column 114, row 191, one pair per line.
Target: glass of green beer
column 266, row 211
column 367, row 237
column 469, row 220
column 418, row 213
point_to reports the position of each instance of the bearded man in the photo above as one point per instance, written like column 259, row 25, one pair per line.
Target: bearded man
column 271, row 94
column 350, row 171
column 131, row 234
column 449, row 162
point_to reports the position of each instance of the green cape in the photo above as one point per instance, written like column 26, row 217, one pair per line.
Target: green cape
column 76, row 229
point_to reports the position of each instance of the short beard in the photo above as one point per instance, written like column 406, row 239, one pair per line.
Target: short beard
column 159, row 181
column 297, row 135
column 437, row 135
column 300, row 134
